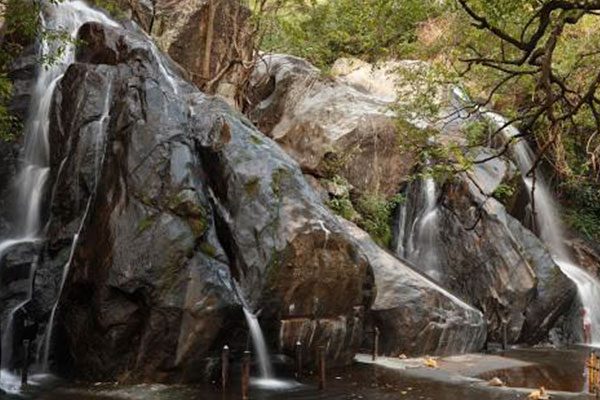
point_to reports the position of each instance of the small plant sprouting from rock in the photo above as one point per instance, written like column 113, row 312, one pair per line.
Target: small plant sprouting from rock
column 208, row 249
column 145, row 223
column 370, row 211
column 277, row 181
column 252, row 187
column 256, row 139
column 504, row 192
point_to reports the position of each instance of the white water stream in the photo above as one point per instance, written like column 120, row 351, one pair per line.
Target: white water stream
column 67, row 16
column 550, row 228
column 417, row 241
column 267, row 379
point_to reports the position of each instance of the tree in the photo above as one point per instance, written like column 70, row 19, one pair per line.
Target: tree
column 20, row 26
column 547, row 51
column 322, row 31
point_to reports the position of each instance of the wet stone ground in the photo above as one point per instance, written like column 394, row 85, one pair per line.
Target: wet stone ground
column 555, row 370
column 461, row 377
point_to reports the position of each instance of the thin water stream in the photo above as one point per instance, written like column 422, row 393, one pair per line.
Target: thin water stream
column 550, row 227
column 67, row 16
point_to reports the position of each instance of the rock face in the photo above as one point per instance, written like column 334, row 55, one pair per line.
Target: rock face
column 330, row 126
column 488, row 258
column 211, row 39
column 414, row 315
column 168, row 210
column 587, row 254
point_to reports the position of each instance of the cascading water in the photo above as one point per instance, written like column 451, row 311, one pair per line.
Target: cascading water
column 260, row 346
column 67, row 17
column 416, row 241
column 550, row 227
column 417, row 228
column 267, row 378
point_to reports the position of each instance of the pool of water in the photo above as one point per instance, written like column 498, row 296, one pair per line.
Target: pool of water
column 356, row 383
column 554, row 369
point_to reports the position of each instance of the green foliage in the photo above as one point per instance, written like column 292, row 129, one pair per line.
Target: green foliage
column 112, row 7
column 371, row 211
column 376, row 214
column 323, row 31
column 476, row 132
column 340, row 201
column 252, row 187
column 343, row 207
column 21, row 27
column 504, row 192
column 582, row 207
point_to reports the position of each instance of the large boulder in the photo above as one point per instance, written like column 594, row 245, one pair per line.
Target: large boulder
column 586, row 254
column 211, row 39
column 414, row 315
column 484, row 254
column 168, row 211
column 331, row 125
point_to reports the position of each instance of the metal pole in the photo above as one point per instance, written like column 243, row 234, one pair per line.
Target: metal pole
column 321, row 366
column 596, row 374
column 25, row 366
column 590, row 365
column 375, row 343
column 224, row 366
column 245, row 374
column 298, row 360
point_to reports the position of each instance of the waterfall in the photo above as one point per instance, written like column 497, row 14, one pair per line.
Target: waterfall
column 267, row 379
column 67, row 16
column 417, row 241
column 258, row 338
column 65, row 273
column 550, row 227
column 260, row 346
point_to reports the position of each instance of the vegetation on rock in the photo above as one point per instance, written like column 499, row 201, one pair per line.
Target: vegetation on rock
column 535, row 61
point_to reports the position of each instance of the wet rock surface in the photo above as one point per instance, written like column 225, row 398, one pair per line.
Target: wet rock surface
column 166, row 210
column 211, row 40
column 414, row 315
column 329, row 126
column 492, row 261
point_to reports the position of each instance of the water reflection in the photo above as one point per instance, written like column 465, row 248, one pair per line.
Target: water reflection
column 562, row 370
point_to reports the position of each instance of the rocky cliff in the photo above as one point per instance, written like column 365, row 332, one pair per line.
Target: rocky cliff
column 168, row 210
column 211, row 39
column 470, row 242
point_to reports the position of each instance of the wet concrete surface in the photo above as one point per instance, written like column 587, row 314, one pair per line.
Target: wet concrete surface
column 555, row 370
column 460, row 377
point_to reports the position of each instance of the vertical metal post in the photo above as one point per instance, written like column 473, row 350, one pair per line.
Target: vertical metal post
column 245, row 374
column 25, row 366
column 224, row 366
column 298, row 360
column 591, row 378
column 375, row 343
column 321, row 366
column 596, row 374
